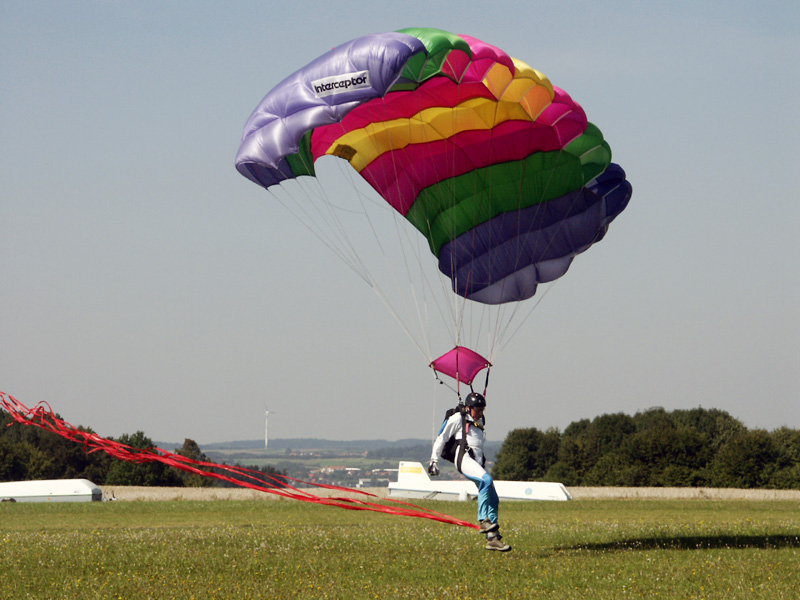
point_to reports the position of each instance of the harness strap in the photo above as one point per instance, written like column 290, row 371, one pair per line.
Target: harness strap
column 462, row 445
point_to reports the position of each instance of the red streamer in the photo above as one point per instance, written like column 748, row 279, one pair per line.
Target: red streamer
column 42, row 416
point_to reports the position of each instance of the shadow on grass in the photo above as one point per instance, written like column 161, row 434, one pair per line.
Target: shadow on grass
column 695, row 542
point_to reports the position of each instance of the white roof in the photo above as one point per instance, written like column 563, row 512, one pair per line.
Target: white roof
column 50, row 489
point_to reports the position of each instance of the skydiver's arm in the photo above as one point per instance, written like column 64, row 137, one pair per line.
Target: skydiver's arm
column 448, row 431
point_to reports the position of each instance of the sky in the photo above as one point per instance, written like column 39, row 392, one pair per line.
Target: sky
column 146, row 286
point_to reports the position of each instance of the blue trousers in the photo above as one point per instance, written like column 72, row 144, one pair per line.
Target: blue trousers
column 488, row 502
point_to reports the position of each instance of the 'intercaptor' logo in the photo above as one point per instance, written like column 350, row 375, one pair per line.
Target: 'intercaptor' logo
column 340, row 83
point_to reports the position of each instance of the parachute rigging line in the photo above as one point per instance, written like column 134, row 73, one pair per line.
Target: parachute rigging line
column 402, row 233
column 42, row 416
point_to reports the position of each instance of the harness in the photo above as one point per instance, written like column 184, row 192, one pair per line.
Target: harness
column 449, row 451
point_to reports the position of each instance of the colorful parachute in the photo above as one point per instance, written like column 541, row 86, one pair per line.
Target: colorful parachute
column 496, row 167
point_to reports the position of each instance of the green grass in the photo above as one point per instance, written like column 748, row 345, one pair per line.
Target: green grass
column 286, row 549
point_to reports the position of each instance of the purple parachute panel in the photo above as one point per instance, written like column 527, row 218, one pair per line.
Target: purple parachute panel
column 505, row 258
column 320, row 93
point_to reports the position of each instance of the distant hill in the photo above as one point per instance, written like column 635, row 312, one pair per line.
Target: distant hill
column 315, row 444
column 373, row 446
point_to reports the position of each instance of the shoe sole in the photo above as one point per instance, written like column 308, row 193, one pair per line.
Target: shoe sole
column 494, row 527
column 504, row 549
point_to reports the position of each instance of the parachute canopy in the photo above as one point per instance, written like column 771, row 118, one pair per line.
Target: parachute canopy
column 462, row 364
column 496, row 167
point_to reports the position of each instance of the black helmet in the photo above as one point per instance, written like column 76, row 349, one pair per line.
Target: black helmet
column 475, row 400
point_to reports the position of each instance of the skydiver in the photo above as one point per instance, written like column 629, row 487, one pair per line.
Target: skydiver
column 470, row 460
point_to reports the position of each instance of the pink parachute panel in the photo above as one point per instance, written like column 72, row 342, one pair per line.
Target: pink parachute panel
column 462, row 364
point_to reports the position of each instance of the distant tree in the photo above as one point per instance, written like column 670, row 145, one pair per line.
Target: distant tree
column 715, row 426
column 12, row 463
column 662, row 455
column 77, row 463
column 616, row 469
column 787, row 445
column 517, row 459
column 652, row 418
column 572, row 455
column 527, row 454
column 585, row 442
column 192, row 451
column 746, row 460
column 267, row 474
column 605, row 434
column 146, row 474
column 656, row 447
column 33, row 453
column 547, row 453
column 40, row 464
column 563, row 473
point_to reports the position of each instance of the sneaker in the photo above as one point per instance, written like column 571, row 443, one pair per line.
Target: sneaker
column 487, row 526
column 497, row 544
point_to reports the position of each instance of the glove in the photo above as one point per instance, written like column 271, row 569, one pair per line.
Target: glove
column 433, row 469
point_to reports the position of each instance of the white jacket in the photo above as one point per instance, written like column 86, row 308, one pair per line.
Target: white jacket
column 475, row 436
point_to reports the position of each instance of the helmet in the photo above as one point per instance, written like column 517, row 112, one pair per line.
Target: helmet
column 475, row 400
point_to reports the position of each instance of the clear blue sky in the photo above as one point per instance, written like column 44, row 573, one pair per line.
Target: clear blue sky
column 146, row 285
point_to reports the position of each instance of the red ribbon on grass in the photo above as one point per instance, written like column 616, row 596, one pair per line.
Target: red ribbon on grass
column 42, row 416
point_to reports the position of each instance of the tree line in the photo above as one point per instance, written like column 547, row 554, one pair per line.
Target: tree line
column 28, row 453
column 681, row 448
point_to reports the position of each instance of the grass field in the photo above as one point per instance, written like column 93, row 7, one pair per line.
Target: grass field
column 682, row 549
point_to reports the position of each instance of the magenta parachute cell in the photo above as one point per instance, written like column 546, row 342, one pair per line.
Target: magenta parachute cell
column 500, row 170
column 460, row 363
